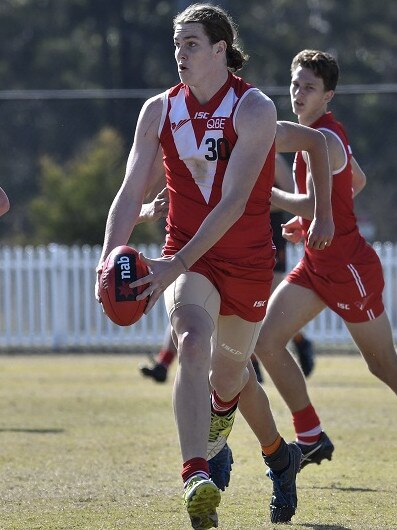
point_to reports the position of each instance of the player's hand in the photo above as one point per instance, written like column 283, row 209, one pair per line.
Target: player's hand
column 292, row 230
column 157, row 208
column 320, row 233
column 163, row 271
column 98, row 275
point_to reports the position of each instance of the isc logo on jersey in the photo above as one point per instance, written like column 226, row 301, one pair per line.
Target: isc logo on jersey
column 212, row 123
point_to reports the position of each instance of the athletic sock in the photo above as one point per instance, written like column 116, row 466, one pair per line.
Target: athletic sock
column 307, row 425
column 276, row 455
column 165, row 357
column 221, row 408
column 195, row 466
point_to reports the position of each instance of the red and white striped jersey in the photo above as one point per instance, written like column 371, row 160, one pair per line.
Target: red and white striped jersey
column 347, row 240
column 197, row 141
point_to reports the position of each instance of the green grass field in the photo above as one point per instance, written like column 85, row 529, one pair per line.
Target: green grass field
column 87, row 443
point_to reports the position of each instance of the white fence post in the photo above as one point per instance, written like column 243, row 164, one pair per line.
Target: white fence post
column 47, row 302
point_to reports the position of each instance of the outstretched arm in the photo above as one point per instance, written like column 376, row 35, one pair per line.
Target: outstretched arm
column 315, row 204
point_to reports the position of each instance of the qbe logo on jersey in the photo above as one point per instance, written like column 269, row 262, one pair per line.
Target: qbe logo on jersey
column 212, row 123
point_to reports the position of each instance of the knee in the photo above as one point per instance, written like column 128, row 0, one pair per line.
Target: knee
column 194, row 349
column 382, row 367
column 266, row 346
column 228, row 384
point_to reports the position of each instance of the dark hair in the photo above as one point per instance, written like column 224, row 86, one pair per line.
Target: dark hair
column 218, row 25
column 322, row 64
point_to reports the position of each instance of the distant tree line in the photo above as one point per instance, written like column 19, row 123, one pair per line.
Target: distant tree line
column 62, row 160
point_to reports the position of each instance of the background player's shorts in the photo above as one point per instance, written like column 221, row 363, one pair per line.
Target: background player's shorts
column 276, row 218
column 352, row 290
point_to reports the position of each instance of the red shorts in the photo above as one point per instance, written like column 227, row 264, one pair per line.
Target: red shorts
column 352, row 290
column 244, row 291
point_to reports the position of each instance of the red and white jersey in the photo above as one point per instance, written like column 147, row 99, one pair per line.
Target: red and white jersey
column 197, row 141
column 347, row 240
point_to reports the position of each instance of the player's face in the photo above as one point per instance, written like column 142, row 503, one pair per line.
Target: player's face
column 309, row 99
column 194, row 54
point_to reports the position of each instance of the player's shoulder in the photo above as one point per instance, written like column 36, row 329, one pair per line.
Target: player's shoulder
column 257, row 105
column 335, row 141
column 154, row 104
column 337, row 146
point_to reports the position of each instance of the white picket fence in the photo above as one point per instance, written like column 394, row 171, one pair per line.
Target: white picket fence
column 47, row 302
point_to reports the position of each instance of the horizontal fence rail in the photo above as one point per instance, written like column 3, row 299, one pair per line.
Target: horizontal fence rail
column 47, row 302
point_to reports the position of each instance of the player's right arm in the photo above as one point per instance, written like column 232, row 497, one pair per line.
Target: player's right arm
column 126, row 206
column 315, row 204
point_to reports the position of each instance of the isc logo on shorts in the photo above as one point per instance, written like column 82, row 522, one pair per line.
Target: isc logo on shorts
column 260, row 303
column 346, row 307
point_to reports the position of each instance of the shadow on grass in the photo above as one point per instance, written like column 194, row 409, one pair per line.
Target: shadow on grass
column 325, row 527
column 32, row 431
column 341, row 488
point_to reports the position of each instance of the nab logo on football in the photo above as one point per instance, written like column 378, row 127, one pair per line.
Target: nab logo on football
column 122, row 267
column 125, row 272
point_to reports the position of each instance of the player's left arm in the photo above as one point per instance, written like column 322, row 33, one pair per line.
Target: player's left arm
column 315, row 204
column 156, row 209
column 359, row 178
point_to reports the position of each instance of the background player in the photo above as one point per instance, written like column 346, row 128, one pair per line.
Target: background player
column 347, row 276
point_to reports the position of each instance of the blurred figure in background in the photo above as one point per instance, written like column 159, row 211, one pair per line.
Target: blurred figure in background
column 4, row 202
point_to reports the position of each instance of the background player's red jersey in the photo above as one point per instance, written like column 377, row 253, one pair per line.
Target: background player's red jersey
column 347, row 240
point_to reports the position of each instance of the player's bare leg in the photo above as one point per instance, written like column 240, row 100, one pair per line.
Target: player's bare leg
column 229, row 375
column 290, row 308
column 192, row 330
column 375, row 341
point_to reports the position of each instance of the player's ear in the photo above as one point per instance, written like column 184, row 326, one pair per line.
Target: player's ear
column 220, row 47
column 329, row 95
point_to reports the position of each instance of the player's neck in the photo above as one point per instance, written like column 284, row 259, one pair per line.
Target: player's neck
column 308, row 119
column 207, row 89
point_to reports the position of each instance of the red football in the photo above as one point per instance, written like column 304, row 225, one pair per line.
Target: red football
column 120, row 268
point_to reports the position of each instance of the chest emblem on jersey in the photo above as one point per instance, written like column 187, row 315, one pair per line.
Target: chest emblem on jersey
column 181, row 123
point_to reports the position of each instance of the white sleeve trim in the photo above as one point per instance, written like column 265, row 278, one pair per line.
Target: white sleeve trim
column 164, row 99
column 344, row 150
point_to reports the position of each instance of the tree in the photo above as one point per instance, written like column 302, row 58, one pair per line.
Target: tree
column 82, row 44
column 75, row 197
